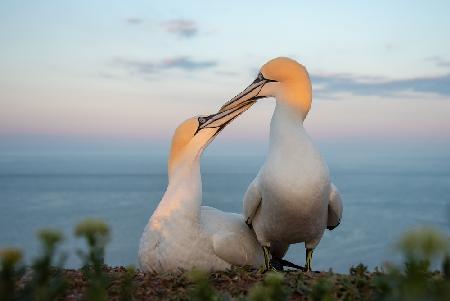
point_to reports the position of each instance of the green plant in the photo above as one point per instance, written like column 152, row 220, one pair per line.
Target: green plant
column 446, row 267
column 127, row 287
column 47, row 276
column 97, row 235
column 423, row 244
column 322, row 290
column 415, row 281
column 9, row 271
column 202, row 289
column 271, row 290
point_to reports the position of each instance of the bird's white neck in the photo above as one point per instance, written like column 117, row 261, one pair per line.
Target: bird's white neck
column 183, row 196
column 285, row 119
column 186, row 167
column 187, row 179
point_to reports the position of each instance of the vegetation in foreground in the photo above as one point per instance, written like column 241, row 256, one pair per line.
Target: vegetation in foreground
column 46, row 279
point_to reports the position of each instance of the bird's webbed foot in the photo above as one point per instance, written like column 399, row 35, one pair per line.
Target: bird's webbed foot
column 277, row 264
column 280, row 264
column 268, row 264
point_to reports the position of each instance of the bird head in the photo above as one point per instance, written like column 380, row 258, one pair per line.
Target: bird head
column 193, row 135
column 282, row 78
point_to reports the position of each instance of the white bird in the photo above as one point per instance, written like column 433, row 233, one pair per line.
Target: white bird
column 182, row 234
column 292, row 199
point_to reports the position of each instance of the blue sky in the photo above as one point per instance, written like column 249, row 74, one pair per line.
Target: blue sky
column 133, row 70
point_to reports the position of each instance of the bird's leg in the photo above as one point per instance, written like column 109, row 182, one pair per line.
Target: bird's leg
column 267, row 264
column 309, row 254
column 266, row 251
column 267, row 260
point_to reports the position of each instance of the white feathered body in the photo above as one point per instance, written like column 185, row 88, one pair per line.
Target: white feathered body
column 294, row 186
column 181, row 234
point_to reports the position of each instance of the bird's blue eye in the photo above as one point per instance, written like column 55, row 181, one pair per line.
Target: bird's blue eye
column 201, row 120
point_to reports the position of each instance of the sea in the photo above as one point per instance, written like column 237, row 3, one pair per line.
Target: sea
column 384, row 195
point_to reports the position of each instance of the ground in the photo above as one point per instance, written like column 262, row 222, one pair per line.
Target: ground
column 235, row 283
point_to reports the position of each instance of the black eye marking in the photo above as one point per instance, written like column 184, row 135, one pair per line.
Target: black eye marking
column 201, row 121
column 261, row 77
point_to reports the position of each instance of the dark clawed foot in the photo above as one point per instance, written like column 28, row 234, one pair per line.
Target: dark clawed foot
column 277, row 264
column 265, row 269
column 309, row 270
column 285, row 263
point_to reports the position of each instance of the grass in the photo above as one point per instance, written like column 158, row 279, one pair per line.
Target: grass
column 46, row 279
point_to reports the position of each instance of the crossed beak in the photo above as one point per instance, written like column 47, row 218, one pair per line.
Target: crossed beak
column 249, row 96
column 222, row 118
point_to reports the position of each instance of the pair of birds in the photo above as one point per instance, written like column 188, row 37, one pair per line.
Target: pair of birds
column 291, row 200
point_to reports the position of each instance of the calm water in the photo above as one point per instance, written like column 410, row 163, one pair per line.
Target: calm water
column 383, row 196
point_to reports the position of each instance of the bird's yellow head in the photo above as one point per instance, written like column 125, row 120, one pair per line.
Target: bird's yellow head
column 283, row 69
column 282, row 78
column 193, row 135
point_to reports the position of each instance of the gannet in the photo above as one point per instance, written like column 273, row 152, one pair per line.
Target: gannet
column 292, row 199
column 182, row 234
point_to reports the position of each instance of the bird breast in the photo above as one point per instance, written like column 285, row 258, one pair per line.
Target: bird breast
column 295, row 170
column 294, row 184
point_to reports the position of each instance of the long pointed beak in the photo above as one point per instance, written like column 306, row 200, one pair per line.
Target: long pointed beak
column 222, row 118
column 249, row 95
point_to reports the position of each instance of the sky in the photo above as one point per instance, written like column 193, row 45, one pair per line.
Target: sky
column 80, row 74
